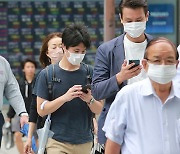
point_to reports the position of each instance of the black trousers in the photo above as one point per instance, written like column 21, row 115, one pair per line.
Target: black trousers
column 1, row 125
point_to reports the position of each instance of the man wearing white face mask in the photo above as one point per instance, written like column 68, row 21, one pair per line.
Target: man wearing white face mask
column 71, row 107
column 112, row 70
column 145, row 117
column 75, row 58
column 134, row 29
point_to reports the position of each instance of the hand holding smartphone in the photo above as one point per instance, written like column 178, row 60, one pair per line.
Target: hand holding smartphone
column 137, row 63
column 84, row 88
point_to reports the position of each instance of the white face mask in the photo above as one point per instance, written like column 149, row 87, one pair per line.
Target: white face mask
column 134, row 29
column 75, row 58
column 161, row 73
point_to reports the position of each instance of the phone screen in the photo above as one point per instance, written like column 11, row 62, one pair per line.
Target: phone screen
column 137, row 62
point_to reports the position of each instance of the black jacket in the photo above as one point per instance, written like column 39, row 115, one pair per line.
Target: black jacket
column 26, row 91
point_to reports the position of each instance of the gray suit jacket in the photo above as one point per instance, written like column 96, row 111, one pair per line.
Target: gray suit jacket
column 109, row 59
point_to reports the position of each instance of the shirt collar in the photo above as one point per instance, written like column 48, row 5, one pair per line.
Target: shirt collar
column 175, row 89
column 149, row 90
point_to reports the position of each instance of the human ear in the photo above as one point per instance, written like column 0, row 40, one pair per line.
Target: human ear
column 147, row 16
column 145, row 64
column 120, row 17
column 64, row 48
column 177, row 63
column 47, row 54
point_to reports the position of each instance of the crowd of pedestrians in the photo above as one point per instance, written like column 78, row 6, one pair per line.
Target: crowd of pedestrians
column 134, row 86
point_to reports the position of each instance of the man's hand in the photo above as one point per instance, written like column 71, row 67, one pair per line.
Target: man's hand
column 23, row 119
column 86, row 97
column 72, row 93
column 127, row 73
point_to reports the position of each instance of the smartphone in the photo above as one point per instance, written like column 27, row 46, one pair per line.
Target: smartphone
column 137, row 62
column 84, row 88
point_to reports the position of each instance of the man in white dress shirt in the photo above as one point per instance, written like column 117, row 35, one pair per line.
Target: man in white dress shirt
column 177, row 77
column 145, row 116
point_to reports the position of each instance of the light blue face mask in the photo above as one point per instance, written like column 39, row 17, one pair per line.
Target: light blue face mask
column 162, row 74
column 75, row 58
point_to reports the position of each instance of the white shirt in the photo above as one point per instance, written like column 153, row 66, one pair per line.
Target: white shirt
column 177, row 77
column 135, row 51
column 141, row 124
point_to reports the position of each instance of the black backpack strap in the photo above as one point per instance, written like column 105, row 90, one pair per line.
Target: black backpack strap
column 50, row 73
column 89, row 77
column 89, row 80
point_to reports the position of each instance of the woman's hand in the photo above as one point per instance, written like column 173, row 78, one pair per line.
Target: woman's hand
column 27, row 147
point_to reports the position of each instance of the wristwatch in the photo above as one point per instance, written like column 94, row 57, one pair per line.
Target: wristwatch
column 91, row 101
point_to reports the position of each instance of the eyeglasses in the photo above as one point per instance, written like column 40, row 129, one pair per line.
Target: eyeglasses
column 162, row 61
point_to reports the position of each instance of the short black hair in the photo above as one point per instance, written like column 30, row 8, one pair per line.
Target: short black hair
column 75, row 34
column 28, row 60
column 134, row 4
column 160, row 39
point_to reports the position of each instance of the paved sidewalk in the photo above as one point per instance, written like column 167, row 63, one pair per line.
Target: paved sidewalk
column 3, row 150
column 12, row 150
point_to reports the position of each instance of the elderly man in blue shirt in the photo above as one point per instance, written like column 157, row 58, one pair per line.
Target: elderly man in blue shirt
column 145, row 116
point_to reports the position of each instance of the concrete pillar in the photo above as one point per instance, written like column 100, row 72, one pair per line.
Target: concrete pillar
column 109, row 20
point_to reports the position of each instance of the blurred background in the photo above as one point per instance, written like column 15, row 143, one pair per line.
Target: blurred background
column 24, row 24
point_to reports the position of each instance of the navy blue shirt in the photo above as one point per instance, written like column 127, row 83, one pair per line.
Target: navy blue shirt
column 72, row 122
column 33, row 116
